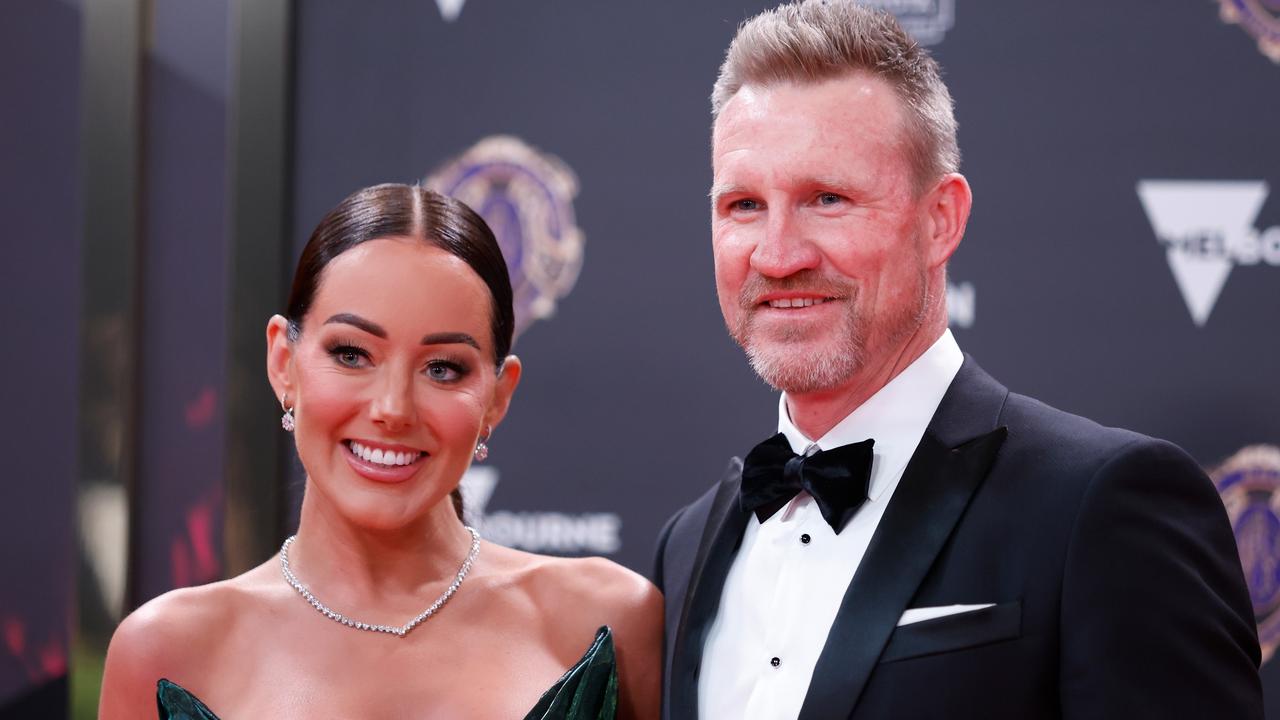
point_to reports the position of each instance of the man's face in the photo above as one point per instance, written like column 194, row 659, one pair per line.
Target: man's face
column 821, row 265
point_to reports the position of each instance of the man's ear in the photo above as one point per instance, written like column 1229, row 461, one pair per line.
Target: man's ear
column 508, row 379
column 947, row 209
column 280, row 358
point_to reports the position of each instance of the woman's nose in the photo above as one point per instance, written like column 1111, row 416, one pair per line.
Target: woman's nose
column 393, row 406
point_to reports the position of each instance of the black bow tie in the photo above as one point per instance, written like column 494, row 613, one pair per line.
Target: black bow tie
column 836, row 478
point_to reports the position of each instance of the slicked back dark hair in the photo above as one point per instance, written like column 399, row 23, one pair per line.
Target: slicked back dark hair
column 412, row 211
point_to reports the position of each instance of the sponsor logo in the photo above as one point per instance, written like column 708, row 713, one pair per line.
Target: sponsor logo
column 1206, row 227
column 1249, row 483
column 1260, row 18
column 545, row 532
column 450, row 9
column 526, row 197
column 962, row 300
column 926, row 20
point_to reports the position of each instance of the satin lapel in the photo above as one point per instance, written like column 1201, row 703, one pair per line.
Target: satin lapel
column 934, row 491
column 720, row 539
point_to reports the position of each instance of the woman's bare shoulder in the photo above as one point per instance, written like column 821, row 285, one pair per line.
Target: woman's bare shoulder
column 591, row 583
column 190, row 618
column 170, row 636
column 603, row 583
column 596, row 592
column 579, row 595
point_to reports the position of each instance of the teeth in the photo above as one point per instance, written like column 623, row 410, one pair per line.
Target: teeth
column 380, row 457
column 796, row 302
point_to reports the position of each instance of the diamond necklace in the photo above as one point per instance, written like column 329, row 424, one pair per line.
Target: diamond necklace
column 398, row 631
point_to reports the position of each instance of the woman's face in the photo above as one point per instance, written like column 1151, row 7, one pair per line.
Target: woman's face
column 392, row 380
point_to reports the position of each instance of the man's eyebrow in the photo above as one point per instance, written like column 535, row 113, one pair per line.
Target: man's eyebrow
column 719, row 191
column 450, row 338
column 355, row 320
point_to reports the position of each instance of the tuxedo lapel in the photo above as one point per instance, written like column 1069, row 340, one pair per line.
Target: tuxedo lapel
column 720, row 539
column 953, row 458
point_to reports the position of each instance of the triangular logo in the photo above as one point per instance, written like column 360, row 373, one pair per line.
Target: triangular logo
column 450, row 9
column 1200, row 222
column 478, row 484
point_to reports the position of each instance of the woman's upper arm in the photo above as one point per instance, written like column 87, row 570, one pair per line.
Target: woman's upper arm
column 638, row 631
column 132, row 669
column 162, row 639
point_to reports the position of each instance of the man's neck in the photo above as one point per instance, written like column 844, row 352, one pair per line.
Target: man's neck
column 815, row 413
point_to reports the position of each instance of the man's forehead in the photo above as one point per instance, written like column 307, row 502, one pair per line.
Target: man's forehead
column 852, row 88
column 829, row 111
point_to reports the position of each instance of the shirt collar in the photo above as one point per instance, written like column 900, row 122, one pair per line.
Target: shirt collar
column 896, row 416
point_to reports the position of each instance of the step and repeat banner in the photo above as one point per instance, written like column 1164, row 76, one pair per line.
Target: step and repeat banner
column 1122, row 261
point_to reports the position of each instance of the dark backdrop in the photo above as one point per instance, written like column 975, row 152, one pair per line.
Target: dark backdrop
column 1070, row 286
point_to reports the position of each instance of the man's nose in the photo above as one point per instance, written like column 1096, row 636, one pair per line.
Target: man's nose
column 393, row 406
column 784, row 249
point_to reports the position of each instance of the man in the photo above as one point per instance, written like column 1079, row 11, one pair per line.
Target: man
column 917, row 542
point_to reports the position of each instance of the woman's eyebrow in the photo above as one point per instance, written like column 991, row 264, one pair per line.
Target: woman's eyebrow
column 355, row 320
column 450, row 338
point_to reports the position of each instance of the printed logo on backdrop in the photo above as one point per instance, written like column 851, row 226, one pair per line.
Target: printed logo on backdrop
column 1249, row 483
column 450, row 9
column 598, row 533
column 1260, row 18
column 962, row 304
column 526, row 197
column 1206, row 228
column 925, row 20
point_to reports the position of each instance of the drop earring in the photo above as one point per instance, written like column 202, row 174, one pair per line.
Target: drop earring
column 482, row 445
column 286, row 420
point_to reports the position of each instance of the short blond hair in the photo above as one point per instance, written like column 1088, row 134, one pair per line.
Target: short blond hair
column 815, row 40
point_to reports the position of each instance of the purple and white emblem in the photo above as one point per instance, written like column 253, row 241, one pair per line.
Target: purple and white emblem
column 1261, row 18
column 526, row 197
column 1249, row 483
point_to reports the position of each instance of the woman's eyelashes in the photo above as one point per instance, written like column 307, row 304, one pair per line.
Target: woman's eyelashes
column 446, row 370
column 348, row 354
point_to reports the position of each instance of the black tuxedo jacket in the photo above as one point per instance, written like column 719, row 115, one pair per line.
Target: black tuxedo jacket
column 1117, row 587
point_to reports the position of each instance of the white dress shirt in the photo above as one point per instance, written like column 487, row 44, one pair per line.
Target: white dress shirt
column 786, row 583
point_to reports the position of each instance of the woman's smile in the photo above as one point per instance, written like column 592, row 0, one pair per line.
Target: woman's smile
column 383, row 462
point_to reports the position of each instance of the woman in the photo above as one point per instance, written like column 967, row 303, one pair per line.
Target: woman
column 392, row 370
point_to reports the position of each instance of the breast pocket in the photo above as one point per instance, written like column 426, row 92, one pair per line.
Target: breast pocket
column 955, row 632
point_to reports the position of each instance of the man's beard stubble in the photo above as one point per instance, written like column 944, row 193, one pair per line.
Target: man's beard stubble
column 777, row 360
column 793, row 369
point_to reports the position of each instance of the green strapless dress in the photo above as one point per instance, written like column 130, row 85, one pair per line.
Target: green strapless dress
column 588, row 691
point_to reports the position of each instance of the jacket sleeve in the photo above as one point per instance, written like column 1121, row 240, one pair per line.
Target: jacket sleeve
column 1156, row 619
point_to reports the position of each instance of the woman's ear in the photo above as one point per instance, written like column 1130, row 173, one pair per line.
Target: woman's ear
column 280, row 357
column 508, row 379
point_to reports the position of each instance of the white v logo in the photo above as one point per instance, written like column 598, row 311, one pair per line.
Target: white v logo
column 450, row 9
column 1202, row 224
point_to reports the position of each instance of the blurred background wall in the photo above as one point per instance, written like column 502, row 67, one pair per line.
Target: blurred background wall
column 163, row 163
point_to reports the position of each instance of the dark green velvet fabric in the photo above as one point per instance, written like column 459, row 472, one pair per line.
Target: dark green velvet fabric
column 588, row 691
column 175, row 703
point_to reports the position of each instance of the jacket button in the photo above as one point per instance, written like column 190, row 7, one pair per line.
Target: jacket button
column 775, row 662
